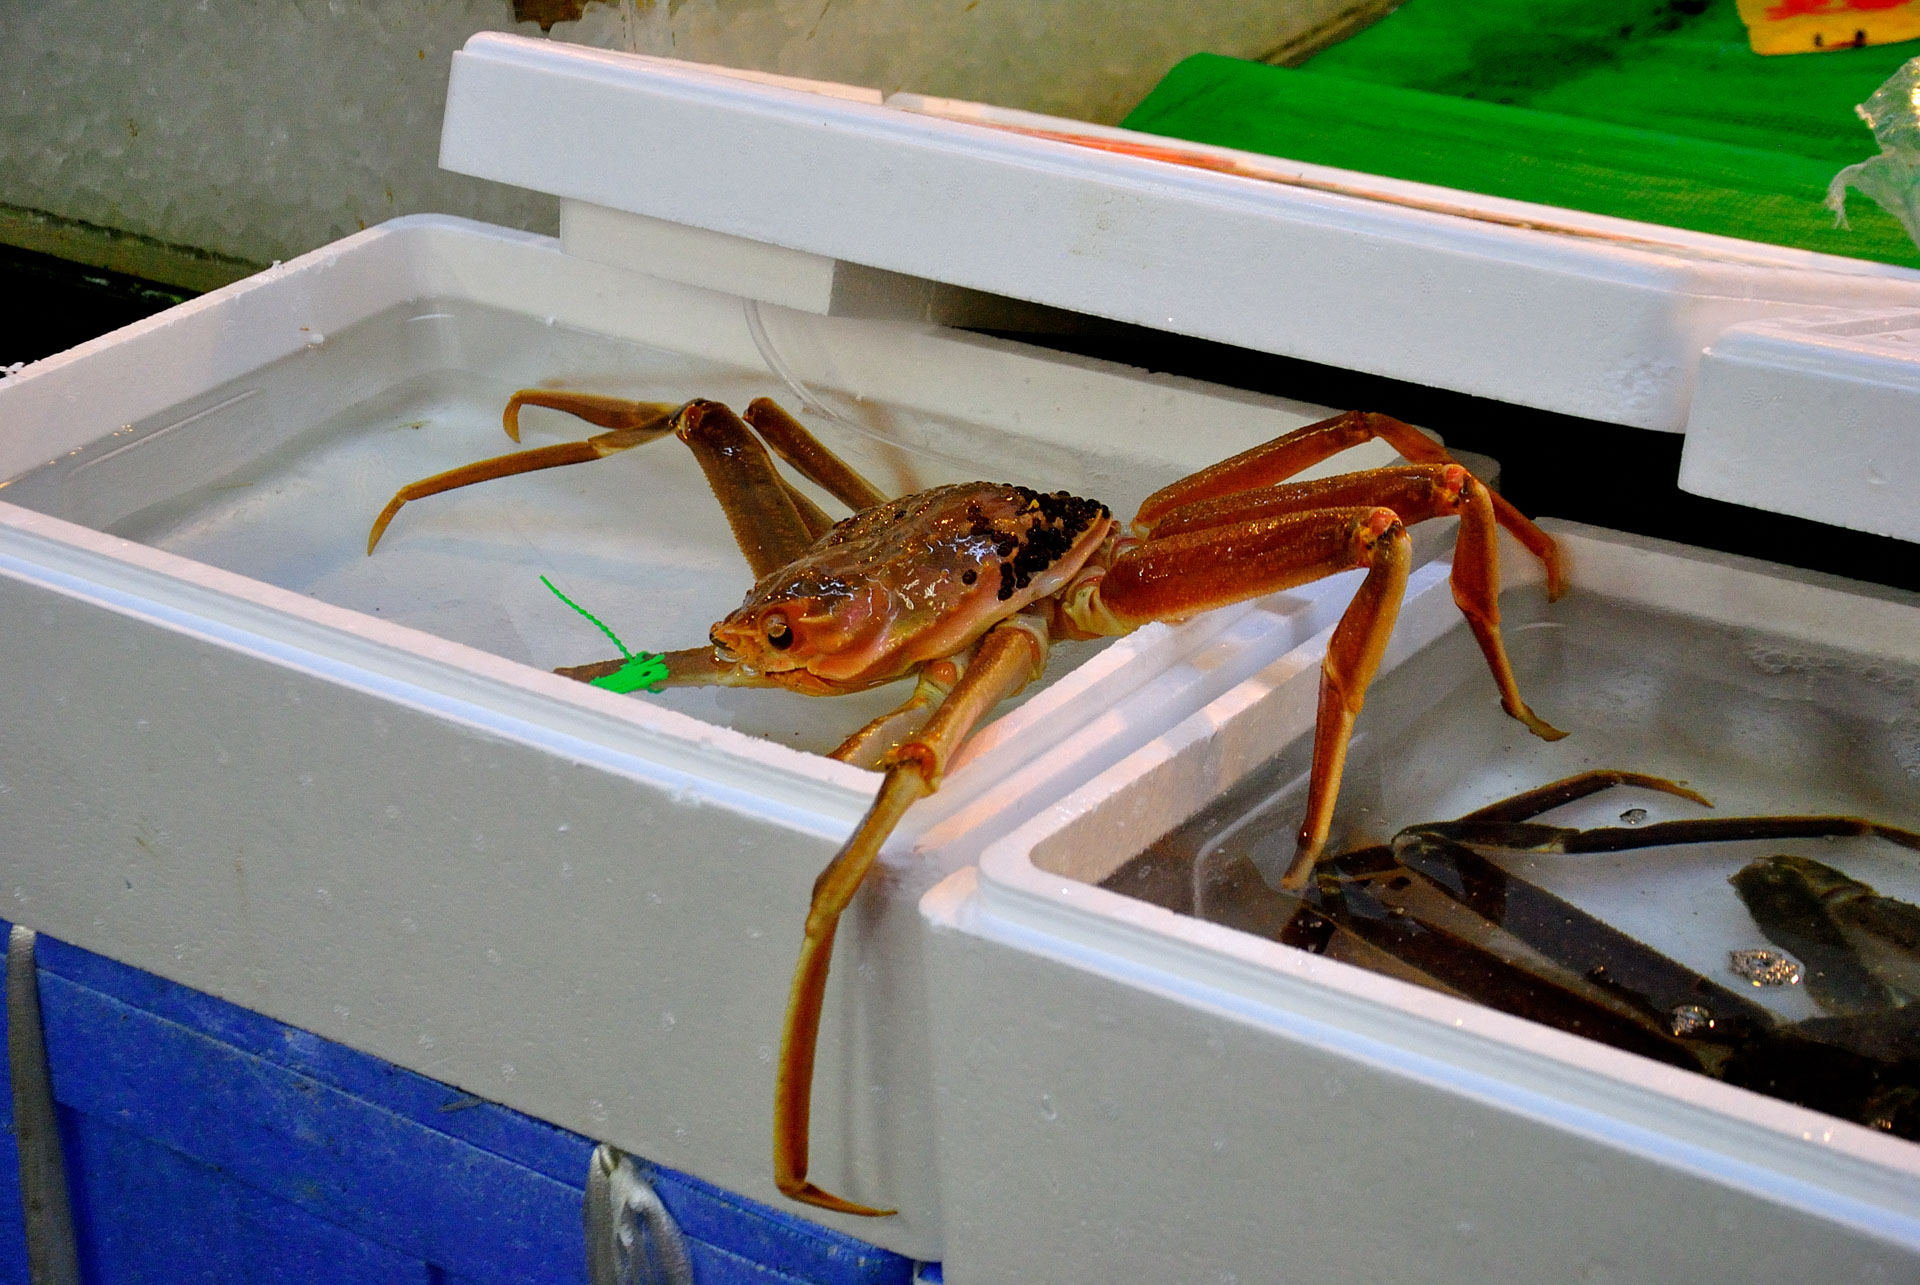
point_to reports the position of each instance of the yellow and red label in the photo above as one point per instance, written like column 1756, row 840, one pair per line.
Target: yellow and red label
column 1810, row 26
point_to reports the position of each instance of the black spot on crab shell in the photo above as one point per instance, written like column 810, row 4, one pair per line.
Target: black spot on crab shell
column 1044, row 530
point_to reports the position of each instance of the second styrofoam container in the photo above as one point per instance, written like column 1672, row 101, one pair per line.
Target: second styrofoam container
column 1180, row 1100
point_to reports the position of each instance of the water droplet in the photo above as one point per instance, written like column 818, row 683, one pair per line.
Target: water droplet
column 679, row 1130
column 426, row 1041
column 755, row 934
column 562, row 828
column 493, row 956
column 406, row 922
column 393, row 812
column 341, row 1010
column 1464, row 1230
column 1764, row 967
column 1690, row 1019
column 479, row 842
column 1874, row 476
column 667, row 1019
column 566, row 869
column 1047, row 1110
column 597, row 1109
column 322, row 896
column 653, row 899
column 506, row 1071
column 1634, row 816
column 765, row 1052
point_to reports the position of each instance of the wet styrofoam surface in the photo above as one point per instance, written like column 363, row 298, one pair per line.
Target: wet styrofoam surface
column 344, row 790
column 1812, row 416
column 1771, row 691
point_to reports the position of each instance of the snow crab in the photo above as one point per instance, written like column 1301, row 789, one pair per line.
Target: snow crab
column 963, row 587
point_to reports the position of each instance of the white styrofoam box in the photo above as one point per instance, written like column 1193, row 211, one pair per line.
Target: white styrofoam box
column 1592, row 316
column 1814, row 416
column 1125, row 1090
column 342, row 790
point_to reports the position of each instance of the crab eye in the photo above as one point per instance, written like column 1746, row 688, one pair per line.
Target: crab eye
column 779, row 634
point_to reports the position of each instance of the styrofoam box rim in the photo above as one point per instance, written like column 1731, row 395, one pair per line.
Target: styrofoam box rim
column 1760, row 1143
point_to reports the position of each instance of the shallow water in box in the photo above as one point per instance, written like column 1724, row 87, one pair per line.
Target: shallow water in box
column 1760, row 725
column 278, row 476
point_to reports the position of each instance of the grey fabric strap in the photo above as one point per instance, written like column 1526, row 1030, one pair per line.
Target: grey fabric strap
column 51, row 1255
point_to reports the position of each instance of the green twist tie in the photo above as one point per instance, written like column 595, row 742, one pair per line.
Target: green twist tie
column 643, row 669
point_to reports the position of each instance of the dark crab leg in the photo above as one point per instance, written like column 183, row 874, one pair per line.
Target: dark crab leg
column 1009, row 656
column 1571, row 937
column 1797, row 903
column 1522, row 836
column 1449, row 943
column 1447, row 907
column 1544, row 798
column 1441, row 852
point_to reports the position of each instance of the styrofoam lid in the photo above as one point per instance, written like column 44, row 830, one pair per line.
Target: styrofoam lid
column 1582, row 314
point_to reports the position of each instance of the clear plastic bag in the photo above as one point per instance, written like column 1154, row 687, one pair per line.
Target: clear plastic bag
column 1892, row 178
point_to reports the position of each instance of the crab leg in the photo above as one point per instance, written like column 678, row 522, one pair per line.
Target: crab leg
column 1009, row 656
column 793, row 443
column 1183, row 574
column 688, row 667
column 614, row 412
column 1476, row 591
column 1416, row 492
column 644, row 422
column 1353, row 656
column 868, row 746
column 1274, row 462
column 772, row 521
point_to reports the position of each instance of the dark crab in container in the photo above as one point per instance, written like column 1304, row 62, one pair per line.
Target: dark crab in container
column 1432, row 907
column 963, row 588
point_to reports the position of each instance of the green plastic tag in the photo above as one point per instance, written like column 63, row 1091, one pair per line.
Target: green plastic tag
column 644, row 670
